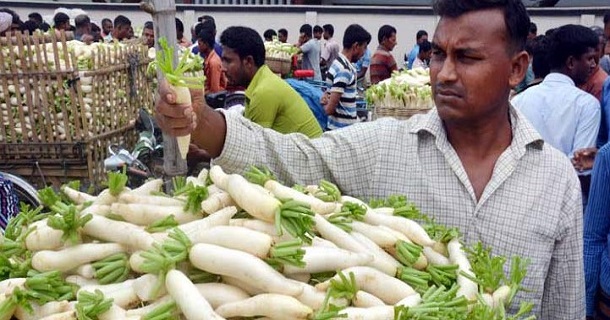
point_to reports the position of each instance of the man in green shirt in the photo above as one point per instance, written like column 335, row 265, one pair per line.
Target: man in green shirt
column 270, row 101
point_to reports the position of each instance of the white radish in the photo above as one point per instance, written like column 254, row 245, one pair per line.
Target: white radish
column 373, row 313
column 192, row 304
column 41, row 311
column 468, row 288
column 251, row 290
column 67, row 315
column 118, row 231
column 218, row 294
column 300, row 277
column 115, row 312
column 410, row 301
column 270, row 305
column 96, row 209
column 219, row 177
column 435, row 258
column 364, row 299
column 147, row 188
column 203, row 175
column 243, row 266
column 136, row 261
column 487, row 299
column 501, row 296
column 251, row 198
column 321, row 259
column 43, row 237
column 130, row 197
column 385, row 211
column 146, row 214
column 219, row 218
column 86, row 271
column 339, row 237
column 73, row 257
column 408, row 227
column 382, row 261
column 378, row 235
column 81, row 281
column 139, row 312
column 321, row 242
column 217, row 201
column 7, row 286
column 145, row 286
column 77, row 196
column 123, row 294
column 183, row 96
column 386, row 288
column 256, row 243
column 281, row 191
column 255, row 224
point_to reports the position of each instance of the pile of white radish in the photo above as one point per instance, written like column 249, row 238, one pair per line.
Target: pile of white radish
column 39, row 89
column 408, row 89
column 225, row 246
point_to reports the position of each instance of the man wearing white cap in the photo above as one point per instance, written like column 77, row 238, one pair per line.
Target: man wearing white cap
column 5, row 22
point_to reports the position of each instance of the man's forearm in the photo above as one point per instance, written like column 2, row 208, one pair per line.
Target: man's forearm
column 210, row 132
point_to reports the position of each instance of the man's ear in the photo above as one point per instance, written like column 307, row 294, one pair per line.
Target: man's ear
column 519, row 64
column 570, row 63
column 249, row 62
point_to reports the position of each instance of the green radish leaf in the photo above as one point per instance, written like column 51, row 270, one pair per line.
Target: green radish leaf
column 117, row 182
column 70, row 222
column 48, row 197
column 288, row 252
column 91, row 305
column 162, row 224
column 165, row 311
column 259, row 175
column 329, row 192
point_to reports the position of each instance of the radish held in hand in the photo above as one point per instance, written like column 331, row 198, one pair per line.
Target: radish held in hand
column 178, row 82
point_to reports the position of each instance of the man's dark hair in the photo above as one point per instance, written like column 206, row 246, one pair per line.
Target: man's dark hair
column 317, row 29
column 179, row 26
column 106, row 20
column 329, row 29
column 60, row 18
column 533, row 28
column 81, row 20
column 425, row 46
column 149, row 25
column 385, row 32
column 245, row 42
column 208, row 23
column 95, row 28
column 29, row 26
column 121, row 20
column 515, row 16
column 538, row 48
column 36, row 17
column 206, row 35
column 269, row 34
column 607, row 18
column 355, row 33
column 570, row 40
column 283, row 32
column 420, row 34
column 206, row 17
column 307, row 30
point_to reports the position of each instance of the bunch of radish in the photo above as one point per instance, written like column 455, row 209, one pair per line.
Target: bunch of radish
column 225, row 246
column 408, row 89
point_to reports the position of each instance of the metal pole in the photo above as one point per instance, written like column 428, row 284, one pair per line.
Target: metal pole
column 164, row 15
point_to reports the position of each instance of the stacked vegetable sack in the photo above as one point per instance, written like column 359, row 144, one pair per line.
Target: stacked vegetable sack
column 407, row 89
column 278, row 50
column 228, row 246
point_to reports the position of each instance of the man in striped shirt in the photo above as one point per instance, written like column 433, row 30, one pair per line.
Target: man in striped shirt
column 382, row 62
column 340, row 100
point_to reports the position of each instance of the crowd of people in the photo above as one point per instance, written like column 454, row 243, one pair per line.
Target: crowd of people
column 515, row 154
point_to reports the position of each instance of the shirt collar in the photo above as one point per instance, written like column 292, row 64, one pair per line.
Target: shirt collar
column 558, row 77
column 524, row 134
column 260, row 74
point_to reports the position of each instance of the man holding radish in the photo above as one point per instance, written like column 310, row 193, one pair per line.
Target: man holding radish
column 473, row 162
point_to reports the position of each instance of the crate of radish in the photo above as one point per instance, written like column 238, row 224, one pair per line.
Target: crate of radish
column 224, row 246
column 63, row 102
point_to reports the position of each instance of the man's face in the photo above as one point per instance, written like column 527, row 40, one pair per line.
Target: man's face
column 107, row 27
column 607, row 31
column 234, row 68
column 121, row 32
column 202, row 46
column 317, row 35
column 282, row 37
column 63, row 26
column 426, row 55
column 359, row 52
column 471, row 70
column 303, row 38
column 422, row 39
column 326, row 35
column 390, row 43
column 149, row 35
column 582, row 67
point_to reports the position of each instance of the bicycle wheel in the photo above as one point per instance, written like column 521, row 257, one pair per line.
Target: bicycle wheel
column 26, row 193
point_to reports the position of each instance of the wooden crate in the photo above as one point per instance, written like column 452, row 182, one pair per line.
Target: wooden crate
column 54, row 128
